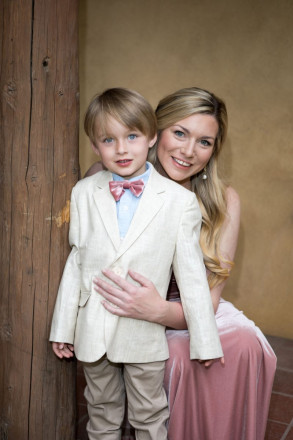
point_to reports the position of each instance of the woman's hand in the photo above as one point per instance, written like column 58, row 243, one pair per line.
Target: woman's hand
column 129, row 300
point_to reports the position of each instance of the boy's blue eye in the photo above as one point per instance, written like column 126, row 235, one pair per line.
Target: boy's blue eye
column 108, row 140
column 179, row 133
column 132, row 136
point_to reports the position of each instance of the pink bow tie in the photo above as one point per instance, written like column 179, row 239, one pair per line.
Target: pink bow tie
column 117, row 188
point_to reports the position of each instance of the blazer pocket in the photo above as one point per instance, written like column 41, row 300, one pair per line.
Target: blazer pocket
column 83, row 299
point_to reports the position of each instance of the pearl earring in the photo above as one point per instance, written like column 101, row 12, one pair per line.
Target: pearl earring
column 204, row 176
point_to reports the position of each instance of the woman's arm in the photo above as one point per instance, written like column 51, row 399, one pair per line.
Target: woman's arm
column 229, row 239
column 97, row 166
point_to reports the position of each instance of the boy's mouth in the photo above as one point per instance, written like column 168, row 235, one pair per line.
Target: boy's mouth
column 124, row 162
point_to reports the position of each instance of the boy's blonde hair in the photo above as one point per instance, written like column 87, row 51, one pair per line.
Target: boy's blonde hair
column 126, row 106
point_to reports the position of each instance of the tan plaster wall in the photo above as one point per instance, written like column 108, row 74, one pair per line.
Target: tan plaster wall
column 243, row 51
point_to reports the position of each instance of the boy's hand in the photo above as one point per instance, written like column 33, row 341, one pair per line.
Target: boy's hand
column 62, row 349
column 209, row 362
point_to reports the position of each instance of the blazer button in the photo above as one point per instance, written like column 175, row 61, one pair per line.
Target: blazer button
column 118, row 270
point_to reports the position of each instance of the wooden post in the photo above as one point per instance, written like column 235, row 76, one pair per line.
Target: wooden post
column 39, row 165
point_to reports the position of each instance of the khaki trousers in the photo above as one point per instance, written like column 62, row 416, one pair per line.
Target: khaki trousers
column 105, row 395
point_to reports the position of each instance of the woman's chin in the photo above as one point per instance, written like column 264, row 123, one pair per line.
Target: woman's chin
column 180, row 178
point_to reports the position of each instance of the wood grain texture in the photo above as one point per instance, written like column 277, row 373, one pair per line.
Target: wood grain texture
column 39, row 165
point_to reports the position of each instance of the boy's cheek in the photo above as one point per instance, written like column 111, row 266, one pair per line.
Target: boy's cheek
column 95, row 149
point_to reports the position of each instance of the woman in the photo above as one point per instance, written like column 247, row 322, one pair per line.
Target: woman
column 225, row 401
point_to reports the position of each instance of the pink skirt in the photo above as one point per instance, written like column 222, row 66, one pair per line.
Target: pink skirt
column 229, row 402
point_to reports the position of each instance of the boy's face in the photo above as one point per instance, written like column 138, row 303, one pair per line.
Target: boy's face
column 123, row 151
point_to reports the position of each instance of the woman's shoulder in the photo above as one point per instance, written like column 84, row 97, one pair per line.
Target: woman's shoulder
column 96, row 167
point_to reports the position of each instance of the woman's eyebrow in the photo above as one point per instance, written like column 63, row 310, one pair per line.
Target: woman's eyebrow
column 182, row 128
column 187, row 131
column 207, row 137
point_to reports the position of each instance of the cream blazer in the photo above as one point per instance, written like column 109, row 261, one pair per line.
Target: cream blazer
column 163, row 235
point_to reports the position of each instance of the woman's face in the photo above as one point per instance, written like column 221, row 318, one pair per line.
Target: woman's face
column 185, row 148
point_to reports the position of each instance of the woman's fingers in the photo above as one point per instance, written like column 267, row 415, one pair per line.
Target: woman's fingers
column 119, row 281
column 144, row 282
column 118, row 311
column 120, row 292
column 124, row 285
column 115, row 296
column 107, row 288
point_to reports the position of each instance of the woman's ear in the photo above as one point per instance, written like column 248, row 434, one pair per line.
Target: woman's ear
column 152, row 142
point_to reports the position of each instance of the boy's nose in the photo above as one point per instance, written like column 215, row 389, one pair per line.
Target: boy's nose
column 121, row 147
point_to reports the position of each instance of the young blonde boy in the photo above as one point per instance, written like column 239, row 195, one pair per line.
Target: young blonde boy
column 129, row 217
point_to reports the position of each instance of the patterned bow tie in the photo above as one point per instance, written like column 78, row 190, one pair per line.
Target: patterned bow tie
column 117, row 188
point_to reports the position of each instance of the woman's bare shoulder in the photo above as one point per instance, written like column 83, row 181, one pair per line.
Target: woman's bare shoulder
column 97, row 166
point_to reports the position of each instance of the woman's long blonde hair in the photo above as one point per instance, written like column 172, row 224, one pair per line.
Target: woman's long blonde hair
column 210, row 192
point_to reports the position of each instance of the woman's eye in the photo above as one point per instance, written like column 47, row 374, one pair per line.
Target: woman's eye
column 179, row 133
column 205, row 143
column 132, row 137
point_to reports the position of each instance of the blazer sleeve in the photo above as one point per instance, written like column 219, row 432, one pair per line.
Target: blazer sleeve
column 191, row 278
column 66, row 306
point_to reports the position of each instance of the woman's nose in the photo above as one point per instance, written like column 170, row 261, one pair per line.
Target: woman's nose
column 188, row 149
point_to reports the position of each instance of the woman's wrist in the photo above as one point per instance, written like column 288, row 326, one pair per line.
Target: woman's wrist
column 162, row 312
column 170, row 314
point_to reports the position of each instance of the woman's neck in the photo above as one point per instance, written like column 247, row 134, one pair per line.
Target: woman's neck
column 186, row 183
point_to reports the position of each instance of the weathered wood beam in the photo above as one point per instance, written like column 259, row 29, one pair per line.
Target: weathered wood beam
column 39, row 115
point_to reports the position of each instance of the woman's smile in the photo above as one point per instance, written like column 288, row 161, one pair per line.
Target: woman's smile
column 181, row 162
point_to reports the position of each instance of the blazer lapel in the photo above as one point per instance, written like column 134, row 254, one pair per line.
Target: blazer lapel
column 150, row 203
column 107, row 207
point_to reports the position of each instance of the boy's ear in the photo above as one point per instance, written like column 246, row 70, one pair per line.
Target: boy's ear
column 152, row 141
column 95, row 149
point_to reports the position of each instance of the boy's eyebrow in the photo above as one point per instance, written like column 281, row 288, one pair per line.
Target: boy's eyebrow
column 103, row 135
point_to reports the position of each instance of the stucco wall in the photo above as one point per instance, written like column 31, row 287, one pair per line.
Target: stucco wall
column 243, row 52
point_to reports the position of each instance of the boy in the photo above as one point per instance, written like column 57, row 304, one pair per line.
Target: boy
column 146, row 223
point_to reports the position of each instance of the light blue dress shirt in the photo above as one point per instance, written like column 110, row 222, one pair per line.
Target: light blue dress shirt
column 128, row 203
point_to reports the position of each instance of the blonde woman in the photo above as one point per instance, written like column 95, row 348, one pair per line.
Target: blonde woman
column 224, row 401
